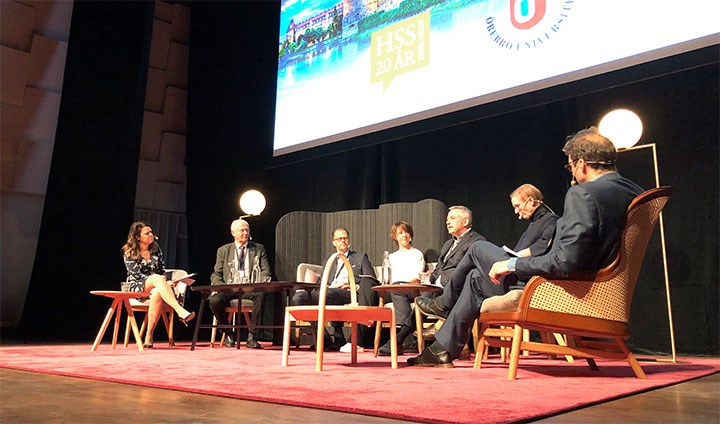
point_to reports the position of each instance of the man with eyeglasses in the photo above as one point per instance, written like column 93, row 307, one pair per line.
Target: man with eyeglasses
column 586, row 239
column 338, row 292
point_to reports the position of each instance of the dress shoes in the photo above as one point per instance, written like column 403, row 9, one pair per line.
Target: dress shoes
column 330, row 345
column 410, row 345
column 384, row 350
column 430, row 308
column 252, row 343
column 429, row 333
column 429, row 359
column 336, row 344
column 229, row 341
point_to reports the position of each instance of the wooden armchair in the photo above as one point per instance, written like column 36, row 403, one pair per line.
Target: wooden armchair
column 592, row 309
column 323, row 313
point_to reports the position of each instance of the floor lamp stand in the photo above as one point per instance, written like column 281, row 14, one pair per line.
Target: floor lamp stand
column 664, row 254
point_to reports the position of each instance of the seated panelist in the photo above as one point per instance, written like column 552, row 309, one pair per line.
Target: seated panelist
column 145, row 266
column 234, row 261
column 407, row 263
column 338, row 292
column 527, row 202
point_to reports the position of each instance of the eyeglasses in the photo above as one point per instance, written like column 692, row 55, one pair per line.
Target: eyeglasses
column 570, row 164
column 341, row 238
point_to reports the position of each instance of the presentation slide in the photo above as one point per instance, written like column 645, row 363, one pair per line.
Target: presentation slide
column 351, row 67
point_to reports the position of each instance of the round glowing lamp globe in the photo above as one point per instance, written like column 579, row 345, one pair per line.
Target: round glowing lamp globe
column 623, row 127
column 252, row 202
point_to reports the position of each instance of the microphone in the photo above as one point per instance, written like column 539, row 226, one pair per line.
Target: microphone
column 521, row 209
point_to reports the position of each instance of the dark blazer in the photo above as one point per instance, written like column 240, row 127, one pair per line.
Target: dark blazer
column 360, row 266
column 539, row 233
column 226, row 254
column 587, row 234
column 446, row 266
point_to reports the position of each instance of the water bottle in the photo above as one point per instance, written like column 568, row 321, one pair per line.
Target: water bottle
column 386, row 277
column 255, row 274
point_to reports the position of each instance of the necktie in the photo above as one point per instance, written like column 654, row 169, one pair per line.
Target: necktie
column 241, row 258
column 447, row 255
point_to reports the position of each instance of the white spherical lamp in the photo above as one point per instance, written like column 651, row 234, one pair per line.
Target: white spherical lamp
column 252, row 202
column 623, row 127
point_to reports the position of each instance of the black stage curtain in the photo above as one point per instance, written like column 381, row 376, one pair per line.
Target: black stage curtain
column 474, row 158
column 91, row 189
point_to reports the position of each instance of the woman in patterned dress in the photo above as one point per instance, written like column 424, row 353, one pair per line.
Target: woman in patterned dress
column 146, row 273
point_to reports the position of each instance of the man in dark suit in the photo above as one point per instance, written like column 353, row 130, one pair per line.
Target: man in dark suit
column 338, row 292
column 586, row 239
column 459, row 226
column 237, row 259
column 527, row 201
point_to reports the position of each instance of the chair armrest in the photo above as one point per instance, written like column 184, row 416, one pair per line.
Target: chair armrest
column 302, row 270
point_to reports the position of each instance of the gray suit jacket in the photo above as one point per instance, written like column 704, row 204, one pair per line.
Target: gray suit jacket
column 587, row 234
column 446, row 265
column 226, row 254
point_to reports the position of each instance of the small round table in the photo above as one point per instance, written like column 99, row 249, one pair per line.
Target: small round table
column 413, row 288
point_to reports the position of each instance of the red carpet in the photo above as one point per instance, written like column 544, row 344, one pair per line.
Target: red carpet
column 459, row 395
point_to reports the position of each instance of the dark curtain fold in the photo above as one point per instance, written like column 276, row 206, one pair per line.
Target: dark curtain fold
column 91, row 187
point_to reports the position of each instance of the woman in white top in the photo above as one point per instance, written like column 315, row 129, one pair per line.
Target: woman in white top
column 407, row 263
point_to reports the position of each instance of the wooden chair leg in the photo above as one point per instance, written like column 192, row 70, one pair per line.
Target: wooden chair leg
column 481, row 348
column 376, row 342
column 213, row 333
column 393, row 341
column 515, row 352
column 562, row 341
column 127, row 332
column 319, row 343
column 419, row 329
column 378, row 330
column 476, row 337
column 171, row 329
column 637, row 369
column 286, row 340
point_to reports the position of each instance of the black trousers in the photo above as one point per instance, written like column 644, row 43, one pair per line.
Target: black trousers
column 469, row 287
column 221, row 300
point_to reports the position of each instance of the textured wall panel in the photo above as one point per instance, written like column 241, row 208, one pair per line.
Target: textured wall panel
column 33, row 48
column 162, row 185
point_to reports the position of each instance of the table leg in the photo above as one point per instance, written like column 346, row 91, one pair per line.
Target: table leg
column 419, row 326
column 103, row 327
column 378, row 330
column 133, row 324
column 238, row 317
column 198, row 320
column 116, row 328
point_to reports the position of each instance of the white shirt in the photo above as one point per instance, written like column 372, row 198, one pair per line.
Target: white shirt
column 341, row 273
column 406, row 265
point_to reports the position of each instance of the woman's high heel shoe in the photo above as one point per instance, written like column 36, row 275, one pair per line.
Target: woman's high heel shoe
column 148, row 345
column 187, row 318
